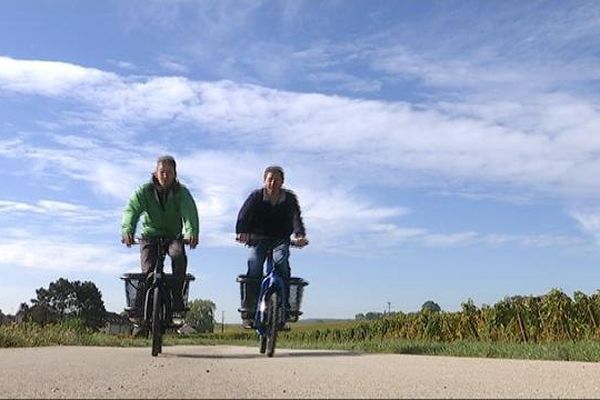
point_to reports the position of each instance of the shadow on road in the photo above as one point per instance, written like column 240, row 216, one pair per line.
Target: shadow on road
column 322, row 354
column 307, row 354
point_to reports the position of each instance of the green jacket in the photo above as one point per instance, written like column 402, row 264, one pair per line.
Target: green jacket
column 168, row 219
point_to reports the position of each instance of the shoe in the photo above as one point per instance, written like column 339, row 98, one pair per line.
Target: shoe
column 248, row 314
column 177, row 322
column 285, row 327
column 140, row 331
column 179, row 316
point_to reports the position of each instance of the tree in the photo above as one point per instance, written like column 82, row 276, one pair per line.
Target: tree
column 430, row 306
column 373, row 315
column 64, row 299
column 90, row 307
column 201, row 316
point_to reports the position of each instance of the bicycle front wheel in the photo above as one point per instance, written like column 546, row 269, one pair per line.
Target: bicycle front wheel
column 272, row 321
column 156, row 322
column 263, row 344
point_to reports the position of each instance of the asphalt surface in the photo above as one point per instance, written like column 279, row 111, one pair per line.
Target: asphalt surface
column 240, row 372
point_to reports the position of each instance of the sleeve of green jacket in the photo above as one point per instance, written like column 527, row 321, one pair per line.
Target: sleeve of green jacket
column 189, row 212
column 132, row 212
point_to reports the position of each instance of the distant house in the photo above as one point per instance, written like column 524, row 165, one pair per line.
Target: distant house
column 116, row 324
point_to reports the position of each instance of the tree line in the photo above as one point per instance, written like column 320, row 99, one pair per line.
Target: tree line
column 429, row 305
column 68, row 300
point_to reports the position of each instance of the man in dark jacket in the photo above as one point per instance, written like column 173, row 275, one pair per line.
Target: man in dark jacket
column 272, row 214
column 170, row 212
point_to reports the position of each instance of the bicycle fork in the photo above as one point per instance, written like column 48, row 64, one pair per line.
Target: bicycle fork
column 270, row 284
column 157, row 280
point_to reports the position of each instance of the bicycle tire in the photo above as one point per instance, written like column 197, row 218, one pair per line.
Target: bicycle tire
column 263, row 344
column 156, row 323
column 272, row 321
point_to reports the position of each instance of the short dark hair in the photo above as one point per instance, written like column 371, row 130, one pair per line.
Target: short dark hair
column 272, row 169
column 168, row 160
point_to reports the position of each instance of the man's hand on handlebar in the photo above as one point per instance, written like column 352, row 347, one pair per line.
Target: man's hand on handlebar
column 242, row 237
column 245, row 238
column 193, row 242
column 127, row 239
column 299, row 241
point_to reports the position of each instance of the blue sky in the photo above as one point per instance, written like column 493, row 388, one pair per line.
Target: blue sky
column 440, row 150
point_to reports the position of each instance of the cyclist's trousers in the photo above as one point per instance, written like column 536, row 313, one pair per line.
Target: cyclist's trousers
column 258, row 256
column 149, row 254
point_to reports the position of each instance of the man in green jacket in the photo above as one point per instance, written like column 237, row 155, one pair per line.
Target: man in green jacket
column 170, row 212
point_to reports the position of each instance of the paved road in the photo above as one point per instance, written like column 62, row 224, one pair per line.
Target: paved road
column 240, row 372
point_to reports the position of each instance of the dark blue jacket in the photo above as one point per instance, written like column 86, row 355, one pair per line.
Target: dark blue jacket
column 259, row 216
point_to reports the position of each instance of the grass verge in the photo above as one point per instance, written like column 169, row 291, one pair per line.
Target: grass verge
column 68, row 333
column 72, row 333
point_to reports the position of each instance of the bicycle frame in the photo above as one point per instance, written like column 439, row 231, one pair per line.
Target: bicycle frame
column 271, row 282
column 156, row 304
column 271, row 311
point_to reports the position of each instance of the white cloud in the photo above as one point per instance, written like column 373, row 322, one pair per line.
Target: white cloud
column 49, row 77
column 52, row 208
column 127, row 65
column 76, row 142
column 449, row 240
column 345, row 81
column 51, row 218
column 541, row 143
column 173, row 66
column 459, row 73
column 589, row 222
column 61, row 255
column 447, row 141
column 540, row 240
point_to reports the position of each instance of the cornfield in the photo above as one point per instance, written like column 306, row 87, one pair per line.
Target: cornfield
column 552, row 317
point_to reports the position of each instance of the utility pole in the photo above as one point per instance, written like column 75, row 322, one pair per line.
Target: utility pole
column 222, row 321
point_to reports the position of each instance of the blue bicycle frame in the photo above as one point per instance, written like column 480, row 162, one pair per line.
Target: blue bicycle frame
column 272, row 308
column 272, row 281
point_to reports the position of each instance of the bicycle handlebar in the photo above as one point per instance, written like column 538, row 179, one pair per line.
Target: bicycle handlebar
column 137, row 240
column 295, row 242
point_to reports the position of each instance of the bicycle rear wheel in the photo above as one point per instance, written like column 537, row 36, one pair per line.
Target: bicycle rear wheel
column 156, row 322
column 272, row 321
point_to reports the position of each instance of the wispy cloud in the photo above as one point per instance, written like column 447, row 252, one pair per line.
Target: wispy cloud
column 172, row 65
column 50, row 208
column 540, row 240
column 345, row 82
column 61, row 255
column 520, row 145
column 68, row 220
column 449, row 240
column 589, row 222
column 51, row 78
column 447, row 141
column 126, row 65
